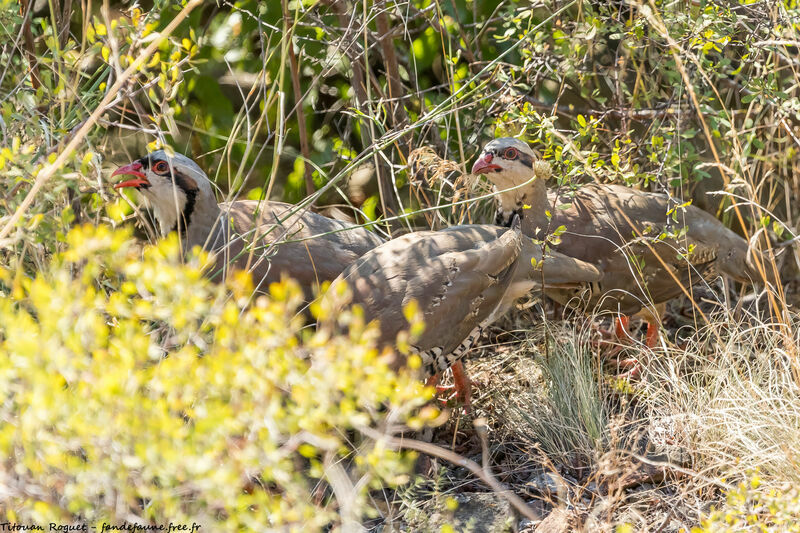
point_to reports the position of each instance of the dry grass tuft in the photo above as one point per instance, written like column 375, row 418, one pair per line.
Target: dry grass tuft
column 566, row 414
column 731, row 397
column 711, row 412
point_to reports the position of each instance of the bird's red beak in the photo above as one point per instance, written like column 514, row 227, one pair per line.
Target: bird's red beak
column 134, row 169
column 484, row 165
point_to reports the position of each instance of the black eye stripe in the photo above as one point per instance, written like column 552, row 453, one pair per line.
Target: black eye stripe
column 518, row 155
column 525, row 159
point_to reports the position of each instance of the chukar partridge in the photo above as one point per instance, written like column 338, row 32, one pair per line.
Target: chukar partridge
column 272, row 239
column 462, row 278
column 615, row 228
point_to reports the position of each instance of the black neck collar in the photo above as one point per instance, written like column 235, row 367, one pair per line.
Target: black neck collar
column 185, row 216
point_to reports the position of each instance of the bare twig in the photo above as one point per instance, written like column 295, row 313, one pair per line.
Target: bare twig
column 26, row 7
column 359, row 79
column 395, row 103
column 298, row 98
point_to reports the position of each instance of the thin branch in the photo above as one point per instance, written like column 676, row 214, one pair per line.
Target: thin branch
column 298, row 98
column 395, row 86
column 26, row 7
column 459, row 460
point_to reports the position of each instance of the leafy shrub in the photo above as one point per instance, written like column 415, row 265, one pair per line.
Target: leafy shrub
column 749, row 507
column 135, row 390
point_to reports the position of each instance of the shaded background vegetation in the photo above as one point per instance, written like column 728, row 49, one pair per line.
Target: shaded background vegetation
column 283, row 99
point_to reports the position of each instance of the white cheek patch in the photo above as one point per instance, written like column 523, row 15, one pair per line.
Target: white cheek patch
column 503, row 180
column 515, row 174
column 508, row 179
column 167, row 202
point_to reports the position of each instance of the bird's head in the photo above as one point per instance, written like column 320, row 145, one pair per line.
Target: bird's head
column 506, row 162
column 173, row 184
column 509, row 163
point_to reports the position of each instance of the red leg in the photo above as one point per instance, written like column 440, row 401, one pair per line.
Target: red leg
column 462, row 383
column 622, row 324
column 433, row 381
column 621, row 330
column 635, row 368
column 652, row 334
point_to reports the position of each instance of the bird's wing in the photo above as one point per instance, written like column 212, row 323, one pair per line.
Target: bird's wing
column 733, row 255
column 306, row 246
column 457, row 276
column 617, row 229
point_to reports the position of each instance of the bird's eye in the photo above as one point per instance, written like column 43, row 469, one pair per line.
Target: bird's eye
column 161, row 167
column 510, row 153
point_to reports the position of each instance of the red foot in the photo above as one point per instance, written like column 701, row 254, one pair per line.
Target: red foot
column 433, row 381
column 652, row 334
column 630, row 366
column 634, row 372
column 461, row 384
column 622, row 324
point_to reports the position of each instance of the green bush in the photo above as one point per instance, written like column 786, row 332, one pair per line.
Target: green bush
column 135, row 390
column 749, row 507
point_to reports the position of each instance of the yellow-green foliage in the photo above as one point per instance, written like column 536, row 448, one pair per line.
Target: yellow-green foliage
column 751, row 508
column 131, row 388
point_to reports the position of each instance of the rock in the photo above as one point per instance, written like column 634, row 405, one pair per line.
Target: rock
column 669, row 453
column 562, row 521
column 476, row 512
column 546, row 484
column 662, row 444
